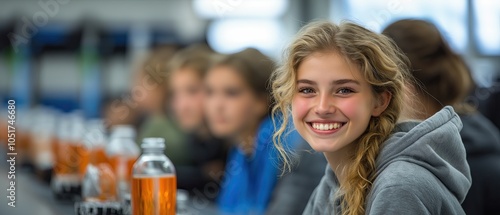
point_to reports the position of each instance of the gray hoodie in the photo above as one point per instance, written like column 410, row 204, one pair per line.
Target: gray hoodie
column 421, row 169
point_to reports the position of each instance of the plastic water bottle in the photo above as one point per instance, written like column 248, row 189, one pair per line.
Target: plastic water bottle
column 70, row 158
column 99, row 182
column 122, row 152
column 154, row 183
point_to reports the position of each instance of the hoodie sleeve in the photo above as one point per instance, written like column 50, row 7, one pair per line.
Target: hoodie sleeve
column 397, row 200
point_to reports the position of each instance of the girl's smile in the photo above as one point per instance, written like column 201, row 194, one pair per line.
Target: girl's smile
column 322, row 127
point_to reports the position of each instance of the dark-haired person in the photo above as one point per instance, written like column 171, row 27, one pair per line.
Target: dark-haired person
column 237, row 106
column 446, row 80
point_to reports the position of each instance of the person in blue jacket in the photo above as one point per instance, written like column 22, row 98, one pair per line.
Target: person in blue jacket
column 237, row 107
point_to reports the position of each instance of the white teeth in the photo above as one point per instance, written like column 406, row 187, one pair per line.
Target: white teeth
column 326, row 126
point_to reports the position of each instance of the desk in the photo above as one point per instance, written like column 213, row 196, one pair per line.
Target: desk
column 32, row 196
column 35, row 197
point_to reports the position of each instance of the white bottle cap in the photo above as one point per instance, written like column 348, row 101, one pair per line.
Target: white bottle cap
column 95, row 135
column 153, row 143
column 123, row 131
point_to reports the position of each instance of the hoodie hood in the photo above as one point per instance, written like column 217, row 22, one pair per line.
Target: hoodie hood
column 419, row 151
column 434, row 144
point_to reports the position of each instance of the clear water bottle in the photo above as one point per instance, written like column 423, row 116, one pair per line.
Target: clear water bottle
column 154, row 183
column 183, row 202
column 122, row 152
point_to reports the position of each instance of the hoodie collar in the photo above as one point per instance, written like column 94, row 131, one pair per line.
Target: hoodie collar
column 434, row 144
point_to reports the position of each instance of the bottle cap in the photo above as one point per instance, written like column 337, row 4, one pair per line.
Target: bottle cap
column 64, row 127
column 77, row 126
column 153, row 143
column 123, row 131
column 94, row 133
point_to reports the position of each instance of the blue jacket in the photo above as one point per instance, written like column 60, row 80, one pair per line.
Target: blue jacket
column 249, row 180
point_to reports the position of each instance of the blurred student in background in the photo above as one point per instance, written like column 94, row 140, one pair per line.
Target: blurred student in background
column 446, row 80
column 116, row 111
column 149, row 95
column 207, row 154
column 238, row 107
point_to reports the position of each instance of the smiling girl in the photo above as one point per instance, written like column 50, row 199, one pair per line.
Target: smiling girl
column 347, row 89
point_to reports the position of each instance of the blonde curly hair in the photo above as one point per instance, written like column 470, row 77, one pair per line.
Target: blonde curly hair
column 382, row 65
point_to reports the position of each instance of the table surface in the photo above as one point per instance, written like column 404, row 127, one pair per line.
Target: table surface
column 32, row 196
column 35, row 197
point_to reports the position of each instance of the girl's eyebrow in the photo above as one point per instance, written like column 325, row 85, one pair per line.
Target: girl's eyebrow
column 345, row 81
column 335, row 82
column 306, row 81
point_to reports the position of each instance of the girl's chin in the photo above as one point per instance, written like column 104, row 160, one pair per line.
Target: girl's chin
column 324, row 145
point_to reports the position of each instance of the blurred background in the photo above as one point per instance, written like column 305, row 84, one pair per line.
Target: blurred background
column 73, row 54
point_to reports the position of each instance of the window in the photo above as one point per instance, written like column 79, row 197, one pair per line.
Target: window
column 229, row 36
column 239, row 24
column 487, row 26
column 448, row 15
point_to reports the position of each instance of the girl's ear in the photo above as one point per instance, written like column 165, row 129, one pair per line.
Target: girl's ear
column 383, row 100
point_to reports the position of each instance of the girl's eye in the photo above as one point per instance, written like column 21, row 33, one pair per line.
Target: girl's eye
column 306, row 90
column 233, row 92
column 344, row 91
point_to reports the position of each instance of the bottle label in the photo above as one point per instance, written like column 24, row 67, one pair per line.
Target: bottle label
column 154, row 194
column 104, row 208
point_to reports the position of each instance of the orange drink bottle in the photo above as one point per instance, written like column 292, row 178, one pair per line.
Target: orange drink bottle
column 4, row 127
column 94, row 140
column 71, row 157
column 99, row 182
column 154, row 183
column 122, row 152
column 23, row 127
column 42, row 136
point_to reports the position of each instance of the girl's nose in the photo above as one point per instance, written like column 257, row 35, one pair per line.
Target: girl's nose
column 325, row 105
